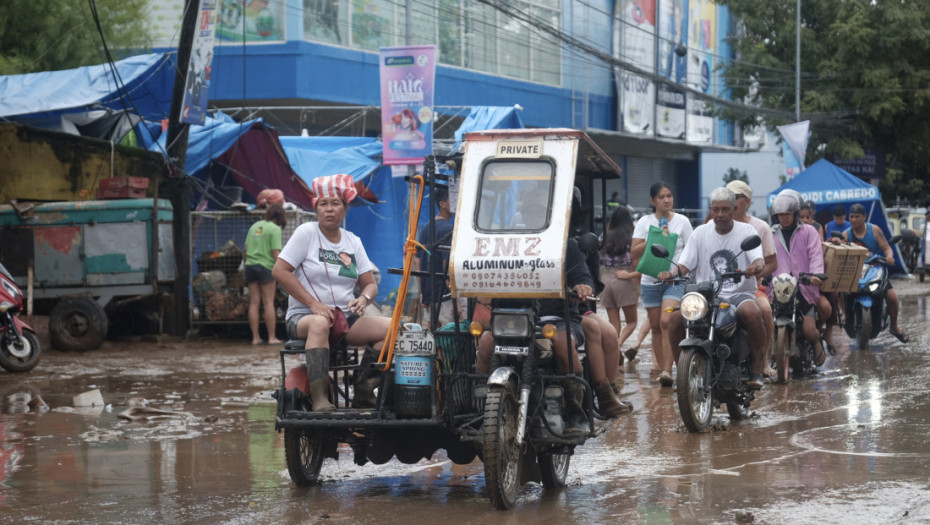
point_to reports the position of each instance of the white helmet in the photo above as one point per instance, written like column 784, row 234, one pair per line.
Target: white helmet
column 783, row 287
column 787, row 201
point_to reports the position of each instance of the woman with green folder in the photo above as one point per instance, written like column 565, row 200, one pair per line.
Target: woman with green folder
column 672, row 230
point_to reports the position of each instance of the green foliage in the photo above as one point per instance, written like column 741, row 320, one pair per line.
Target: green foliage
column 865, row 78
column 733, row 174
column 50, row 35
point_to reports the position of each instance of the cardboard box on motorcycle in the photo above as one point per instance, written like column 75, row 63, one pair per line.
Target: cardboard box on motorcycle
column 843, row 266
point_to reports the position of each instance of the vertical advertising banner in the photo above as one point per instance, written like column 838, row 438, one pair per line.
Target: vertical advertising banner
column 672, row 64
column 702, row 43
column 200, row 67
column 407, row 76
column 634, row 42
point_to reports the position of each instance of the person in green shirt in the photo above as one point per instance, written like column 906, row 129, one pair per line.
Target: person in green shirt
column 262, row 246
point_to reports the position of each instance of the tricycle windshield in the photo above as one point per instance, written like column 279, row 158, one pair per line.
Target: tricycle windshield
column 515, row 196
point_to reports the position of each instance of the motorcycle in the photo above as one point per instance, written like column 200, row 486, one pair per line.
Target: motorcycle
column 428, row 394
column 792, row 353
column 866, row 309
column 19, row 347
column 714, row 365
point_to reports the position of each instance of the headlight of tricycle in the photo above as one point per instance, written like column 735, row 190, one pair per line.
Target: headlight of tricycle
column 693, row 306
column 511, row 325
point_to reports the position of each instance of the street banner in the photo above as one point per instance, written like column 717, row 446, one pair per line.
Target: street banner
column 796, row 136
column 702, row 40
column 407, row 79
column 200, row 67
column 792, row 165
column 635, row 43
column 672, row 64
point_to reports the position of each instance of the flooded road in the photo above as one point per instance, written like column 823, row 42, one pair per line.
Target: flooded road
column 850, row 445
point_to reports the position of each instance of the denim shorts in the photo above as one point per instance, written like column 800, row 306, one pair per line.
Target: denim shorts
column 292, row 321
column 256, row 273
column 654, row 294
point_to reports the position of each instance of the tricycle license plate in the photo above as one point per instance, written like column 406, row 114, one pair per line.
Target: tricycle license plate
column 511, row 350
column 414, row 343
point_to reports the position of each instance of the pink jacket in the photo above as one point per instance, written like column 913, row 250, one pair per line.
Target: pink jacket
column 806, row 255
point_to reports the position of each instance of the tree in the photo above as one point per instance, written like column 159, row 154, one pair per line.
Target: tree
column 49, row 35
column 865, row 78
column 733, row 174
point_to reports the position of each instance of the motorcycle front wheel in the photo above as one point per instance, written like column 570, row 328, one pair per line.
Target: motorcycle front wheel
column 303, row 453
column 695, row 402
column 19, row 356
column 782, row 354
column 865, row 327
column 501, row 450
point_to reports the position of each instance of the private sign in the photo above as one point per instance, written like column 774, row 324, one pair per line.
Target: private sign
column 521, row 149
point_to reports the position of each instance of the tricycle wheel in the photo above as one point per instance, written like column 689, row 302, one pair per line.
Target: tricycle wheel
column 303, row 452
column 77, row 324
column 19, row 355
column 501, row 452
column 553, row 468
column 695, row 398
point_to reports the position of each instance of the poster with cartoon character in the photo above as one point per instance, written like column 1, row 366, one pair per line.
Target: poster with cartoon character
column 200, row 66
column 407, row 76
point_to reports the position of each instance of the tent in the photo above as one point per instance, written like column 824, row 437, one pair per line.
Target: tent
column 827, row 185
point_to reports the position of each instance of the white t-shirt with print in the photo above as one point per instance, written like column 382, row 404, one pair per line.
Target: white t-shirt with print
column 764, row 230
column 679, row 224
column 313, row 257
column 708, row 254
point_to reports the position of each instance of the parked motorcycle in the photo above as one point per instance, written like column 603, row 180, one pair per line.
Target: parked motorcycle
column 714, row 364
column 792, row 353
column 866, row 309
column 19, row 348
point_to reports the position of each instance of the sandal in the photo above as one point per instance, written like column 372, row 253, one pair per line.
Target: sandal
column 630, row 353
column 904, row 338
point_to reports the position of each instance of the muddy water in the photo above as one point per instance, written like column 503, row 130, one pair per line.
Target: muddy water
column 850, row 445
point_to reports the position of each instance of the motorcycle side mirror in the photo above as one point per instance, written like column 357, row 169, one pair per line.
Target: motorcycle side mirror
column 894, row 239
column 660, row 251
column 750, row 243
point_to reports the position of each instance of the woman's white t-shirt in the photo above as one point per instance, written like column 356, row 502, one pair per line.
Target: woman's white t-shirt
column 679, row 224
column 322, row 262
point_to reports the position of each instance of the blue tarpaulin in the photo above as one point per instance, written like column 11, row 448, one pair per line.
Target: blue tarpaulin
column 39, row 99
column 827, row 185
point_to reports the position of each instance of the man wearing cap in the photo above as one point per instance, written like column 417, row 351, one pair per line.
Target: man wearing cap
column 838, row 224
column 743, row 201
column 869, row 235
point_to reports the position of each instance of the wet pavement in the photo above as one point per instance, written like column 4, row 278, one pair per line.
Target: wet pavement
column 850, row 445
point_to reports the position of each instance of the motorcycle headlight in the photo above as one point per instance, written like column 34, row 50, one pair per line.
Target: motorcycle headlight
column 511, row 325
column 5, row 305
column 873, row 287
column 693, row 306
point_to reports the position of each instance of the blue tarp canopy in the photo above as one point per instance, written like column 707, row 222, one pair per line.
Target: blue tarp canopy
column 39, row 99
column 827, row 185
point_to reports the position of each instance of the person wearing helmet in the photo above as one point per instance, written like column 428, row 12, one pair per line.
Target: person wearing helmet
column 866, row 234
column 797, row 250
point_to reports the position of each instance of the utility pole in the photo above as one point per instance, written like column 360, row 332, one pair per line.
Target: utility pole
column 797, row 66
column 178, row 186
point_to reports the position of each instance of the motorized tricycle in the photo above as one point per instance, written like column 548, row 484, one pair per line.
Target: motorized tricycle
column 793, row 352
column 714, row 365
column 429, row 394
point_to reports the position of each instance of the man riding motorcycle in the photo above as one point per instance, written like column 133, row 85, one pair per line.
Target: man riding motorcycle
column 714, row 249
column 798, row 250
column 869, row 235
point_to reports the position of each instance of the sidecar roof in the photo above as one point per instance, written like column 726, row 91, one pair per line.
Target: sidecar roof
column 592, row 161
